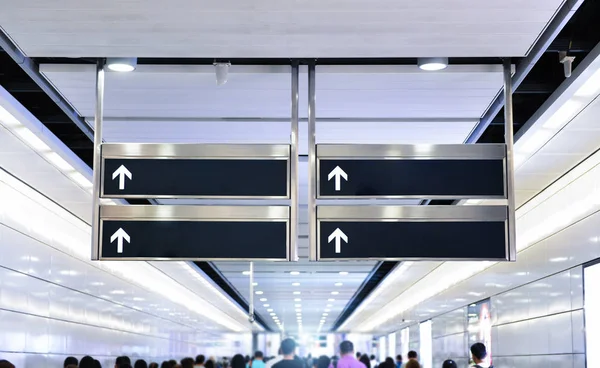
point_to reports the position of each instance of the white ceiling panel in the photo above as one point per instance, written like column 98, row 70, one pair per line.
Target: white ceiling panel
column 271, row 28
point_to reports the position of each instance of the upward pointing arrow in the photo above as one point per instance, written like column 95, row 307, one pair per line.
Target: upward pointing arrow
column 337, row 173
column 338, row 235
column 119, row 235
column 122, row 172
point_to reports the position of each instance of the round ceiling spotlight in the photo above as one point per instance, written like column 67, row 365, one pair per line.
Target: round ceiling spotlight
column 433, row 63
column 121, row 64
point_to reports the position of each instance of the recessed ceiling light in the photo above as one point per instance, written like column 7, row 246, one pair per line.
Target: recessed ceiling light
column 329, row 305
column 246, row 273
column 325, row 314
column 121, row 64
column 343, row 273
column 294, row 273
column 117, row 292
column 255, row 284
column 335, row 292
column 338, row 284
column 433, row 64
column 298, row 310
column 266, row 305
column 258, row 292
column 331, row 300
column 263, row 299
column 295, row 284
column 270, row 310
column 297, row 293
column 273, row 314
column 298, row 305
column 297, row 300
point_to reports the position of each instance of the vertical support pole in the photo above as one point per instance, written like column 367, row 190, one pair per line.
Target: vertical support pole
column 510, row 168
column 293, row 253
column 312, row 166
column 251, row 297
column 97, row 160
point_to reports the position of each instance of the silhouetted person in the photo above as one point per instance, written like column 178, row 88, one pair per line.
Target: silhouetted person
column 70, row 361
column 6, row 364
column 398, row 361
column 322, row 362
column 98, row 365
column 449, row 364
column 412, row 363
column 87, row 362
column 121, row 362
column 238, row 361
column 412, row 355
column 200, row 360
column 186, row 363
column 173, row 363
column 165, row 364
column 140, row 363
column 365, row 360
column 288, row 348
column 478, row 354
column 153, row 365
column 347, row 359
column 258, row 361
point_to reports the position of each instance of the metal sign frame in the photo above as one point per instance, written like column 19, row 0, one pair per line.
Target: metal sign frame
column 195, row 214
column 357, row 152
column 193, row 151
column 411, row 214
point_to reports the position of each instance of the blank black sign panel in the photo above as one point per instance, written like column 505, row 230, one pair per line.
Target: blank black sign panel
column 194, row 239
column 412, row 239
column 417, row 177
column 195, row 177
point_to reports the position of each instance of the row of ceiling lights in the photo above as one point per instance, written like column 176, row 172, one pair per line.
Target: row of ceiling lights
column 129, row 64
column 298, row 307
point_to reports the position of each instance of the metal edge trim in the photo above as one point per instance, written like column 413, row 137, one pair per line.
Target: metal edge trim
column 195, row 213
column 195, row 151
column 412, row 213
column 418, row 151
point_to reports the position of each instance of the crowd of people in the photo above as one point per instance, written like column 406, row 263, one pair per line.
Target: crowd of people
column 287, row 358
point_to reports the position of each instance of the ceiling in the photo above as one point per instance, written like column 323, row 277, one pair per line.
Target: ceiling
column 272, row 28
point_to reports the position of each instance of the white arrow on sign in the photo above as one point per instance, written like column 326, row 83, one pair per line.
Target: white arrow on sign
column 337, row 173
column 338, row 235
column 122, row 172
column 119, row 235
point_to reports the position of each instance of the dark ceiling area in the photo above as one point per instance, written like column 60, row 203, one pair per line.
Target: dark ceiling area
column 577, row 38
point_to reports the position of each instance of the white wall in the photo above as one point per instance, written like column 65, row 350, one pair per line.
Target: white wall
column 54, row 302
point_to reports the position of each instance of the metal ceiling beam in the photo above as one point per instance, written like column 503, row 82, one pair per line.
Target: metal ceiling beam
column 285, row 119
column 32, row 69
column 526, row 64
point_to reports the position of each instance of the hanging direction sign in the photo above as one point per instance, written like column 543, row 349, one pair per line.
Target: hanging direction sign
column 194, row 233
column 412, row 232
column 131, row 170
column 411, row 171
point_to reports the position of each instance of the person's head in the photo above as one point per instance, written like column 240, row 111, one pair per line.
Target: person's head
column 97, row 363
column 412, row 355
column 346, row 347
column 258, row 355
column 186, row 363
column 6, row 364
column 364, row 359
column 412, row 363
column 87, row 362
column 71, row 366
column 389, row 362
column 449, row 363
column 478, row 352
column 165, row 364
column 399, row 358
column 200, row 359
column 238, row 361
column 121, row 361
column 358, row 355
column 172, row 363
column 140, row 363
column 70, row 361
column 288, row 346
column 209, row 364
column 323, row 362
column 153, row 365
column 372, row 357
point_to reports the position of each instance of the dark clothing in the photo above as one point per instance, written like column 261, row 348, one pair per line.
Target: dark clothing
column 293, row 363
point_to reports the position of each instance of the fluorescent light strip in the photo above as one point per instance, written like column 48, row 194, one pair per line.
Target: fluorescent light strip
column 28, row 211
